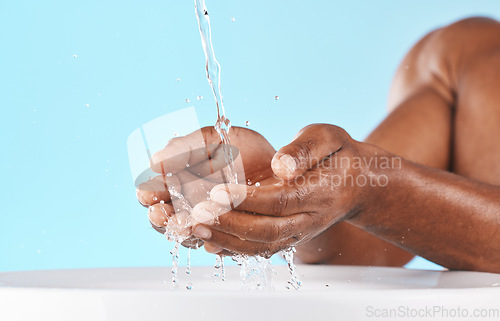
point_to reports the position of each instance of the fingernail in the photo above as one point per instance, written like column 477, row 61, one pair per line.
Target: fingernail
column 203, row 216
column 202, row 232
column 288, row 162
column 156, row 217
column 222, row 197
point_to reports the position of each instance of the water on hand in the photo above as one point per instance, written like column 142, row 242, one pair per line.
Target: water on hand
column 256, row 272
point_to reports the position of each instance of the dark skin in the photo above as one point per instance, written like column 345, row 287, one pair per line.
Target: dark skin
column 441, row 202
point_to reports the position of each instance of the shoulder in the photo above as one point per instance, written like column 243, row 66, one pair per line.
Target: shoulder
column 440, row 59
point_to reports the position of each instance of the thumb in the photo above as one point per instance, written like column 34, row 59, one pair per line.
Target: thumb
column 309, row 147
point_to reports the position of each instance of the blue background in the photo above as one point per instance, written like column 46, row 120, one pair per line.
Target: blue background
column 68, row 198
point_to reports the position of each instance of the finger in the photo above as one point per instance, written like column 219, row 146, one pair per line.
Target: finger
column 215, row 249
column 177, row 227
column 194, row 189
column 252, row 227
column 234, row 244
column 192, row 242
column 278, row 199
column 212, row 166
column 155, row 190
column 311, row 145
column 212, row 248
column 185, row 151
column 158, row 214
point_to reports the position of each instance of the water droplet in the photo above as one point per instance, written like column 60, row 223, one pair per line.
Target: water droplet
column 187, row 101
column 189, row 285
column 199, row 98
column 233, row 19
column 38, row 251
column 257, row 184
column 87, row 105
column 75, row 56
column 247, row 123
column 348, row 281
column 276, row 97
column 169, row 174
column 155, row 198
column 187, row 165
column 178, row 79
column 162, row 202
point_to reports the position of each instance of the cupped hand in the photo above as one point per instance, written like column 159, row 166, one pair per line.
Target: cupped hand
column 326, row 177
column 191, row 166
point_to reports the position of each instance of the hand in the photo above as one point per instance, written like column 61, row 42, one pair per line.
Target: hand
column 192, row 166
column 326, row 177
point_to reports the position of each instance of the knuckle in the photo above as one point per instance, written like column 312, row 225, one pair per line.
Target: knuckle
column 272, row 232
column 282, row 203
column 289, row 199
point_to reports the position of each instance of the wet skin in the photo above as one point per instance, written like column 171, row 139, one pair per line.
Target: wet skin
column 441, row 201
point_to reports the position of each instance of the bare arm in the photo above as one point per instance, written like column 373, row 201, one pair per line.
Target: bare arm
column 422, row 102
column 451, row 220
column 443, row 93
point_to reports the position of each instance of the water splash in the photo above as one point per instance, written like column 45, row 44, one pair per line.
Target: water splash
column 294, row 281
column 256, row 272
column 188, row 261
column 175, row 264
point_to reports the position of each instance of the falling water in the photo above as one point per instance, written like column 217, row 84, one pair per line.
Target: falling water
column 212, row 67
column 257, row 270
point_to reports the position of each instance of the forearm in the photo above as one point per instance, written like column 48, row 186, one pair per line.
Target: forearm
column 451, row 220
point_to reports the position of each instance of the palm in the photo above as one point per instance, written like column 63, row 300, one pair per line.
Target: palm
column 198, row 169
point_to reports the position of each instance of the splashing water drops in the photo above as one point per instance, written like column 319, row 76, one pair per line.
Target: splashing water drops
column 294, row 281
column 175, row 264
column 188, row 261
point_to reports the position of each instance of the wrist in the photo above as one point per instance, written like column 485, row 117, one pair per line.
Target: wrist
column 373, row 182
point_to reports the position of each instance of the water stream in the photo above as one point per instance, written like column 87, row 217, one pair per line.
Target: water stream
column 256, row 271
